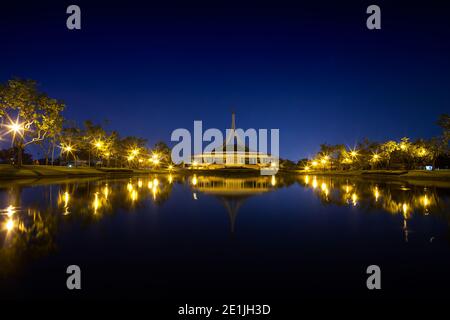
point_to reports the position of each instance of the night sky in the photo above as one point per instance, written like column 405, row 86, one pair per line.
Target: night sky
column 312, row 70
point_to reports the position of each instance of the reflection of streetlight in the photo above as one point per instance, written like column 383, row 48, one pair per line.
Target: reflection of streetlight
column 376, row 193
column 10, row 211
column 354, row 199
column 9, row 225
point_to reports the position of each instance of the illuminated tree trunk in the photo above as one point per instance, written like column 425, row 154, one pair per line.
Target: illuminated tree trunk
column 53, row 151
column 19, row 153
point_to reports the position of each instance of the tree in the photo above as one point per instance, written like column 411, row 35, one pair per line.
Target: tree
column 387, row 149
column 37, row 116
column 444, row 123
column 94, row 137
column 163, row 152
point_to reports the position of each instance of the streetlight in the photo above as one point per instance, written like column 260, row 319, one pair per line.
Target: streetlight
column 15, row 127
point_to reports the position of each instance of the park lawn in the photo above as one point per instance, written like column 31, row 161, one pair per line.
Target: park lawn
column 10, row 172
column 41, row 171
column 408, row 174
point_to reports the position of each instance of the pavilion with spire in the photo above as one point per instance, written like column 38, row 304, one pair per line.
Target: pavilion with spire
column 234, row 154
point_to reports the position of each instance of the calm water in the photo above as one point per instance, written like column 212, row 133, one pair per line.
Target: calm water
column 208, row 238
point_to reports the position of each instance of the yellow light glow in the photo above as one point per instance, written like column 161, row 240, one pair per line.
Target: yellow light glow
column 150, row 185
column 9, row 225
column 170, row 167
column 10, row 211
column 194, row 180
column 314, row 184
column 67, row 148
column 273, row 181
column 273, row 164
column 314, row 163
column 323, row 161
column 155, row 182
column 306, row 179
column 306, row 168
column 66, row 199
column 405, row 209
column 195, row 163
column 139, row 183
column 96, row 203
column 376, row 193
column 156, row 161
column 99, row 144
column 16, row 127
column 106, row 191
column 134, row 195
column 422, row 152
column 426, row 202
column 347, row 160
column 129, row 187
column 354, row 153
column 324, row 188
column 170, row 178
column 354, row 199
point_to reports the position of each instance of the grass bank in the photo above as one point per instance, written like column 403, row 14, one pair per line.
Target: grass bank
column 32, row 171
column 436, row 175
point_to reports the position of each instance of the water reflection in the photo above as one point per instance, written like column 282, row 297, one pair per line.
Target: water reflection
column 396, row 198
column 232, row 192
column 392, row 197
column 30, row 215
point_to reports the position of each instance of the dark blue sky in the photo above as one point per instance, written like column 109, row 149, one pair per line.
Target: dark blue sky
column 313, row 70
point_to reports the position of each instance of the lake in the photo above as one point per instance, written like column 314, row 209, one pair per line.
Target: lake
column 205, row 238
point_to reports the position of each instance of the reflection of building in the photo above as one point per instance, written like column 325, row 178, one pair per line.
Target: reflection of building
column 233, row 191
column 234, row 153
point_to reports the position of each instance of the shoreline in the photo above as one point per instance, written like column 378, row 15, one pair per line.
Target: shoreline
column 386, row 174
column 8, row 172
